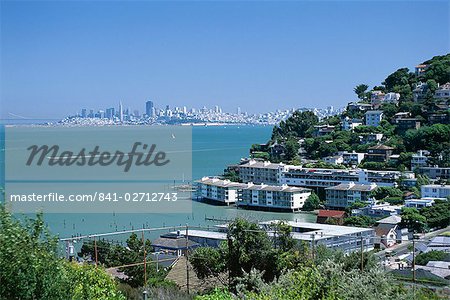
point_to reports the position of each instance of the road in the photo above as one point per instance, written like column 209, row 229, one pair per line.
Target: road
column 403, row 247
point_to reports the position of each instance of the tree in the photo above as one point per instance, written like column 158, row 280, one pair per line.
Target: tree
column 249, row 248
column 360, row 90
column 412, row 219
column 438, row 215
column 383, row 192
column 89, row 282
column 359, row 221
column 31, row 268
column 423, row 258
column 312, row 203
column 292, row 148
column 208, row 261
column 296, row 125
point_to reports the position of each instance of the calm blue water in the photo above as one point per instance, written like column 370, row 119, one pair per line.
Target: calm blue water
column 214, row 148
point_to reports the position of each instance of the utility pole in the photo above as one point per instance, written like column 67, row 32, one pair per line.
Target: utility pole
column 187, row 258
column 145, row 260
column 95, row 249
column 414, row 266
column 313, row 245
column 362, row 254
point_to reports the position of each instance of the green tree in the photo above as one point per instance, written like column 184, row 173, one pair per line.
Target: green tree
column 412, row 219
column 423, row 258
column 312, row 203
column 208, row 262
column 361, row 91
column 383, row 192
column 359, row 221
column 31, row 269
column 438, row 215
column 296, row 125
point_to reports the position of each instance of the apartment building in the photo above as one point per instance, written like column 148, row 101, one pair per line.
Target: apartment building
column 435, row 172
column 218, row 190
column 345, row 194
column 374, row 117
column 273, row 197
column 435, row 191
column 260, row 172
column 322, row 178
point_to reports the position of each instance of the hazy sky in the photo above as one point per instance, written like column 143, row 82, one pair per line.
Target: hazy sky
column 59, row 57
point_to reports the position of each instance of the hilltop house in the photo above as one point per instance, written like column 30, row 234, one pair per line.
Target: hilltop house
column 389, row 232
column 374, row 117
column 443, row 91
column 379, row 153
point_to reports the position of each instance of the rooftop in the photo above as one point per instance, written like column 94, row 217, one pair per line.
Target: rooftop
column 390, row 220
column 351, row 186
column 319, row 231
column 261, row 164
column 220, row 182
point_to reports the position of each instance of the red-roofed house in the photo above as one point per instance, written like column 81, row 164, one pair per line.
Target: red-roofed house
column 331, row 217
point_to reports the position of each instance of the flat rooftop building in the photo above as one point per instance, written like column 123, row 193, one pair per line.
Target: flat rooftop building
column 345, row 194
column 218, row 190
column 273, row 197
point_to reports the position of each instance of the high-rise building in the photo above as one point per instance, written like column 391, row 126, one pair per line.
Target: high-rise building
column 120, row 111
column 149, row 111
column 110, row 113
column 238, row 111
column 84, row 113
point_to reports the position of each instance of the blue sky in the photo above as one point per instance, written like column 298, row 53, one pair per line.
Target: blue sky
column 58, row 57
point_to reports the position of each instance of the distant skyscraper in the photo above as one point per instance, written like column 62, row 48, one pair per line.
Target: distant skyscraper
column 238, row 111
column 110, row 113
column 120, row 111
column 149, row 111
column 83, row 113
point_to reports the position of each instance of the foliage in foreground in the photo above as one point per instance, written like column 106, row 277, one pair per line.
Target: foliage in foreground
column 31, row 269
column 294, row 272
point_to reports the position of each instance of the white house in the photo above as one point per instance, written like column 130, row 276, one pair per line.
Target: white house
column 334, row 160
column 419, row 159
column 352, row 158
column 350, row 124
column 443, row 91
column 419, row 203
column 374, row 117
column 391, row 98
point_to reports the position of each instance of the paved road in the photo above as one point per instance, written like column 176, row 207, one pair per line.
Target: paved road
column 403, row 247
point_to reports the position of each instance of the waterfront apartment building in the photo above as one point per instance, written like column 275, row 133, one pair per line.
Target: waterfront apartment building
column 260, row 172
column 218, row 190
column 273, row 197
column 345, row 194
column 374, row 117
column 435, row 191
column 322, row 178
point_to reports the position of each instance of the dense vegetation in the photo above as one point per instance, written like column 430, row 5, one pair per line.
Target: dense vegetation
column 261, row 267
column 31, row 269
column 298, row 130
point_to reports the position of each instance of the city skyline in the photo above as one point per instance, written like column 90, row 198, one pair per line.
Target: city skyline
column 259, row 56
